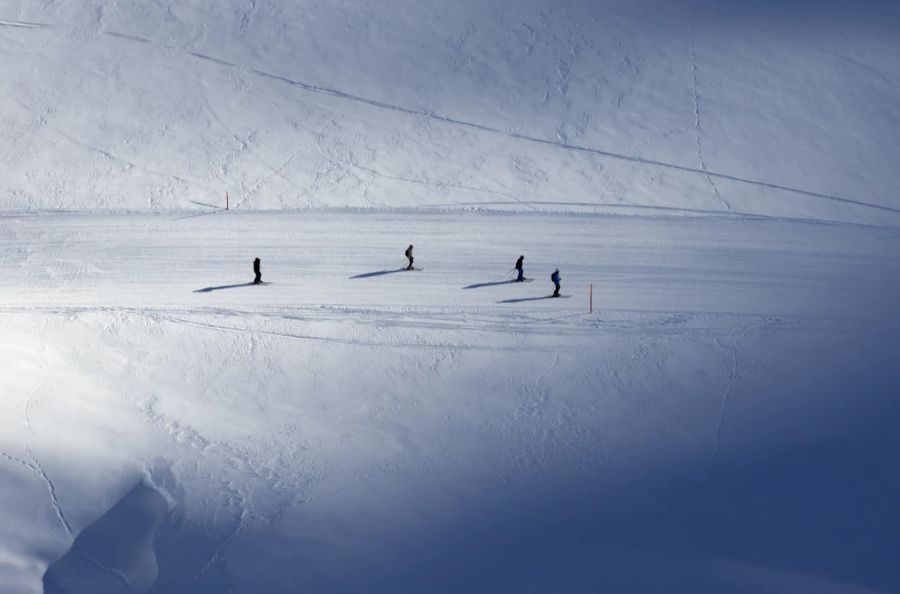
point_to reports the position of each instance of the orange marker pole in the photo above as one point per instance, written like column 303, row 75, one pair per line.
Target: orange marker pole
column 226, row 200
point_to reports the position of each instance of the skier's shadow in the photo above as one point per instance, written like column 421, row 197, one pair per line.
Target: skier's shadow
column 377, row 273
column 222, row 287
column 490, row 284
column 523, row 299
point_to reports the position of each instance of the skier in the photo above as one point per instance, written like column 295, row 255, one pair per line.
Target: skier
column 520, row 269
column 555, row 278
column 257, row 280
column 409, row 256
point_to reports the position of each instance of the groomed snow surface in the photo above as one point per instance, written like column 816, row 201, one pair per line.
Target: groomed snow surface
column 724, row 173
column 724, row 421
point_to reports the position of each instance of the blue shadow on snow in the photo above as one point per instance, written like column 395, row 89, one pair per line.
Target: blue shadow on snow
column 523, row 299
column 378, row 273
column 490, row 284
column 222, row 287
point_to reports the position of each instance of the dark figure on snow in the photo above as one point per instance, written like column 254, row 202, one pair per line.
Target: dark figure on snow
column 409, row 257
column 257, row 279
column 520, row 269
column 555, row 278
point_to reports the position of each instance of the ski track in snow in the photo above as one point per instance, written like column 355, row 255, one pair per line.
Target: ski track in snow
column 698, row 126
column 219, row 553
column 247, row 145
column 43, row 120
column 705, row 172
column 337, row 163
column 27, row 406
column 115, row 573
column 261, row 181
column 23, row 24
column 541, row 391
column 36, row 467
column 863, row 66
column 732, row 378
column 584, row 149
column 537, row 408
column 335, row 340
column 207, row 58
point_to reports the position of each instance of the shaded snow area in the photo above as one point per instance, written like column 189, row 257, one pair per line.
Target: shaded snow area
column 725, row 421
column 722, row 172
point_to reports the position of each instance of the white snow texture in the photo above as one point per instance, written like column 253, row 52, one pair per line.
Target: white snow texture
column 723, row 173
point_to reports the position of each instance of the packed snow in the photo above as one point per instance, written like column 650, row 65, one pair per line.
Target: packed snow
column 719, row 415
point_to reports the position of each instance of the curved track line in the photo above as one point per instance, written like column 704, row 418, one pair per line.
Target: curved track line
column 219, row 553
column 326, row 339
column 36, row 467
column 723, row 409
column 542, row 395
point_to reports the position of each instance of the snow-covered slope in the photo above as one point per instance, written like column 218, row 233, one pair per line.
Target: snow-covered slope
column 574, row 104
column 724, row 422
column 723, row 173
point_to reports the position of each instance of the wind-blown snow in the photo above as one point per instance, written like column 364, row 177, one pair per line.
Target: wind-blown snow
column 723, row 173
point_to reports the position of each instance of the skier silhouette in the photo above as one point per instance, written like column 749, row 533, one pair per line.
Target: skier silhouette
column 520, row 269
column 555, row 278
column 257, row 280
column 409, row 255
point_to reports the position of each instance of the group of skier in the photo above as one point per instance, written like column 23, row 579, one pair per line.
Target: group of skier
column 520, row 270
